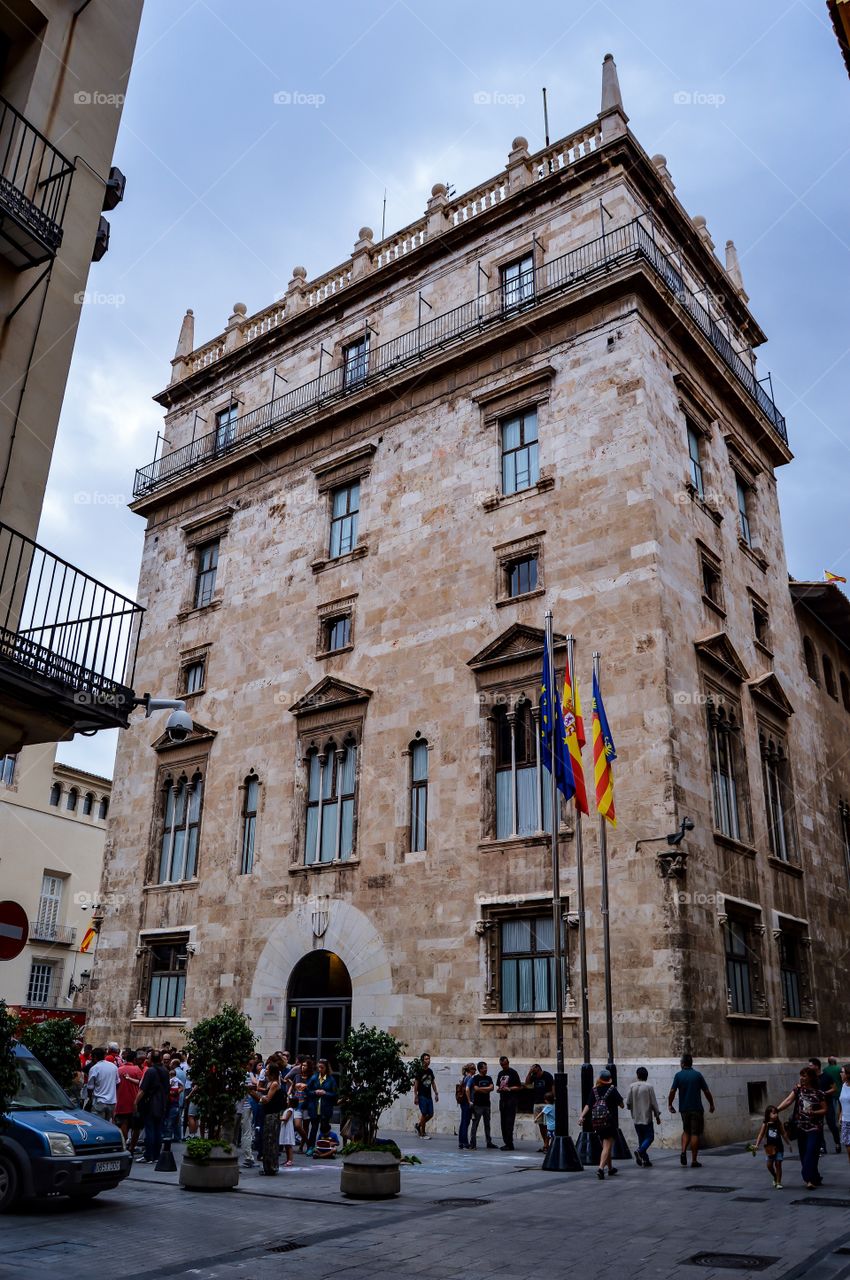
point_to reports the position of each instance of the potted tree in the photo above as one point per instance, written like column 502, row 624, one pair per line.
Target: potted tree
column 218, row 1048
column 373, row 1074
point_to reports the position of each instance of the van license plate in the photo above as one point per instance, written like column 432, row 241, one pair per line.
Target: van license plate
column 108, row 1166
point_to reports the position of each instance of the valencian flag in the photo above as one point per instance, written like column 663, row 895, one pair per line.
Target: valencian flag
column 603, row 754
column 832, row 577
column 550, row 708
column 88, row 938
column 574, row 727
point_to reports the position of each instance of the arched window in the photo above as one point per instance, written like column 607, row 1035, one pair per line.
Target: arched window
column 71, row 802
column 56, row 794
column 418, row 795
column 250, row 801
column 88, row 804
column 331, row 780
column 103, row 808
column 845, row 690
column 181, row 823
column 522, row 788
column 829, row 677
column 810, row 659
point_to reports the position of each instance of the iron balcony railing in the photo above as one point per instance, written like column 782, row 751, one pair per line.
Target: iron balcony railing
column 58, row 624
column 62, row 934
column 35, row 180
column 631, row 242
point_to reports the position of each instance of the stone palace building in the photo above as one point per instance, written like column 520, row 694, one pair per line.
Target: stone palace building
column 544, row 393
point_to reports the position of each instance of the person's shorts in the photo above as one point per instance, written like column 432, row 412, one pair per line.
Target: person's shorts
column 103, row 1109
column 426, row 1107
column 693, row 1123
column 538, row 1116
column 777, row 1155
column 845, row 1133
column 123, row 1118
column 193, row 1110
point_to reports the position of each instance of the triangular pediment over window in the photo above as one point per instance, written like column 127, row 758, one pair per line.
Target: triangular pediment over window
column 770, row 691
column 719, row 650
column 517, row 644
column 328, row 695
column 200, row 734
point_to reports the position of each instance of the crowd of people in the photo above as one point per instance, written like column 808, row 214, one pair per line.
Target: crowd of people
column 288, row 1107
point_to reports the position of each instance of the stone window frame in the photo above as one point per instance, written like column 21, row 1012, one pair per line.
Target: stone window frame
column 759, row 606
column 710, row 560
column 149, row 939
column 785, row 925
column 774, row 754
column 197, row 534
column 188, row 658
column 750, row 916
column 810, row 660
column 189, row 759
column 243, row 792
column 517, row 395
column 415, row 785
column 331, row 611
column 699, row 413
column 330, row 749
column 488, row 928
column 354, row 331
column 507, row 554
column 723, row 707
column 844, row 834
column 355, row 465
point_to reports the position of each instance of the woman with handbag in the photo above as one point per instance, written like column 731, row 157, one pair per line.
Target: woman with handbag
column 806, row 1123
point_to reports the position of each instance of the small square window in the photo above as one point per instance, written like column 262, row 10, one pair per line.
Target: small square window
column 522, row 576
column 712, row 584
column 761, row 625
column 194, row 676
column 336, row 633
column 205, row 573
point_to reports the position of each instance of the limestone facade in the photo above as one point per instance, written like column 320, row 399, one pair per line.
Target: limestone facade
column 588, row 309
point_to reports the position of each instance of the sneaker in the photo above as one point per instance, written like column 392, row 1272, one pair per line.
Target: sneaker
column 248, row 1164
column 600, row 1173
column 309, row 1151
column 777, row 1186
column 472, row 1146
column 507, row 1148
column 695, row 1164
column 647, row 1163
column 683, row 1160
column 613, row 1171
column 425, row 1136
column 639, row 1159
column 491, row 1146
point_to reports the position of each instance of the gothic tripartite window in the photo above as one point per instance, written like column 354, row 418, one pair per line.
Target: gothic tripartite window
column 523, row 790
column 778, row 796
column 181, row 803
column 331, row 801
column 728, row 771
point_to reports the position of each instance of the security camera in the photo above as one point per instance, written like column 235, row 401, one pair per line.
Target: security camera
column 677, row 837
column 178, row 726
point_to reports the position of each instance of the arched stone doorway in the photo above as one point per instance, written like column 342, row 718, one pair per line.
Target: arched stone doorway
column 318, row 1005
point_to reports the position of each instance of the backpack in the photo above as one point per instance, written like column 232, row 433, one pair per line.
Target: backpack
column 460, row 1092
column 600, row 1116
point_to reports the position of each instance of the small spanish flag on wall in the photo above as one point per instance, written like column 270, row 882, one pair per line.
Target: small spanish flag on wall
column 832, row 577
column 88, row 938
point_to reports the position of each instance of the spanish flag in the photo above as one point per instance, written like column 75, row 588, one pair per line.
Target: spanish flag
column 575, row 740
column 832, row 577
column 88, row 938
column 604, row 753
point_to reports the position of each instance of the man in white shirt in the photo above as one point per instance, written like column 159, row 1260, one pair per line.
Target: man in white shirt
column 643, row 1105
column 102, row 1085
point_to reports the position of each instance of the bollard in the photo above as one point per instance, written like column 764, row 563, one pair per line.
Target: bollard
column 166, row 1162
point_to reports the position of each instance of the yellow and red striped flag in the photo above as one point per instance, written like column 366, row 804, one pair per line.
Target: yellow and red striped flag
column 832, row 577
column 575, row 740
column 604, row 753
column 88, row 938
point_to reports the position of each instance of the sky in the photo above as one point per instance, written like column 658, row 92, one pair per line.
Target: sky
column 258, row 135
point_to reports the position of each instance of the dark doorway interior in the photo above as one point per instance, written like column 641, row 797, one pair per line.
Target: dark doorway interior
column 318, row 1002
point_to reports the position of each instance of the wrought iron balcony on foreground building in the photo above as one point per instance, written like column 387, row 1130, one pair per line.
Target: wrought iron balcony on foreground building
column 35, row 180
column 64, row 935
column 67, row 648
column 634, row 242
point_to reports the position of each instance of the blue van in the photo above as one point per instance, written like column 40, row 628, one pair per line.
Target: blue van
column 49, row 1146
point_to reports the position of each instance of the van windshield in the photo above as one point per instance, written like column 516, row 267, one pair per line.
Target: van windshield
column 36, row 1088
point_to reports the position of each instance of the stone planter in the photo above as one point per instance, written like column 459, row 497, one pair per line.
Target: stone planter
column 220, row 1172
column 370, row 1175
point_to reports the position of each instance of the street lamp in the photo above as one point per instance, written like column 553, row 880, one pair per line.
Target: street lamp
column 672, row 861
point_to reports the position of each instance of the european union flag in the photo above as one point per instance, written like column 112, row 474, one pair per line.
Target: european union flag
column 550, row 711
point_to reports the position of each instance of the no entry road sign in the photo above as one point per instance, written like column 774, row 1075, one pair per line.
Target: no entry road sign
column 14, row 930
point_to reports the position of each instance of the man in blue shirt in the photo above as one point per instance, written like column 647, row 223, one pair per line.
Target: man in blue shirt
column 690, row 1086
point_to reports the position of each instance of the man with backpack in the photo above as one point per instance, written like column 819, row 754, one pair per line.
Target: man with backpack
column 602, row 1110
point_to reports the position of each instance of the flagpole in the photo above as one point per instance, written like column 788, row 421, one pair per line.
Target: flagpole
column 587, row 1145
column 621, row 1149
column 561, row 1156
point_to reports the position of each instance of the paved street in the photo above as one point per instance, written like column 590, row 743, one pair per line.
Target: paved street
column 471, row 1214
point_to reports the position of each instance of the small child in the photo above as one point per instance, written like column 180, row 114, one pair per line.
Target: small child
column 287, row 1135
column 773, row 1134
column 547, row 1115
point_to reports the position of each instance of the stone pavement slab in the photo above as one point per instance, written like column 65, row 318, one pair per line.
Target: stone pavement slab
column 644, row 1225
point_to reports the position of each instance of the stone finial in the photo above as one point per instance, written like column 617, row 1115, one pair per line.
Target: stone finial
column 366, row 233
column 702, row 231
column 439, row 189
column 239, row 313
column 186, row 341
column 612, row 98
column 295, row 290
column 733, row 270
column 660, row 163
column 298, row 273
column 361, row 254
column 519, row 169
column 236, row 325
column 435, row 209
